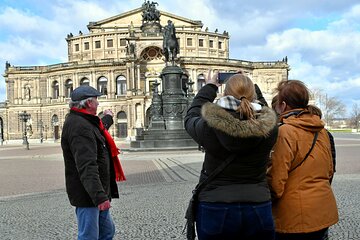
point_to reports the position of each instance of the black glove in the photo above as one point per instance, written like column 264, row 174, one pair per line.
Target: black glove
column 260, row 97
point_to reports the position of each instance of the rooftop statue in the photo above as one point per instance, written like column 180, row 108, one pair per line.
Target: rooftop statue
column 150, row 13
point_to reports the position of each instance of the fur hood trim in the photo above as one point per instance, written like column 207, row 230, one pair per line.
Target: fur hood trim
column 222, row 120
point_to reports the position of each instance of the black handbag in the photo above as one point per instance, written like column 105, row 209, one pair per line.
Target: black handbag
column 190, row 214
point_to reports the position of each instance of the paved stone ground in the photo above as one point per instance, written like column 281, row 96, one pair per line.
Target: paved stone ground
column 34, row 205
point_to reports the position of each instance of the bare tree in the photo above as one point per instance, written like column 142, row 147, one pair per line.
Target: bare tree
column 331, row 107
column 355, row 116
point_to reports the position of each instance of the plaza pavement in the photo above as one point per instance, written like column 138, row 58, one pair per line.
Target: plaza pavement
column 34, row 205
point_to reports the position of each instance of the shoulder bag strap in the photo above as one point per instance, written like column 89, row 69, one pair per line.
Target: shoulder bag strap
column 308, row 153
column 219, row 169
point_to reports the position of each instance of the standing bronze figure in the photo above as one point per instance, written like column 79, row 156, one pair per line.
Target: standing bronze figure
column 170, row 42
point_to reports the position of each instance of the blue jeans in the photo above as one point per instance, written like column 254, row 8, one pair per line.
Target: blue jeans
column 94, row 224
column 234, row 221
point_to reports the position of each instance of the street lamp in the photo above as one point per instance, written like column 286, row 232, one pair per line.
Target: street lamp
column 24, row 116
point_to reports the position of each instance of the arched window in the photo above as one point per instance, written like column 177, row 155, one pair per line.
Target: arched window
column 121, row 85
column 151, row 53
column 102, row 85
column 55, row 126
column 200, row 81
column 85, row 81
column 121, row 124
column 121, row 115
column 54, row 120
column 68, row 88
column 55, row 88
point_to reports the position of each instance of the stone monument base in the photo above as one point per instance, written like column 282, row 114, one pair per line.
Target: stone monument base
column 151, row 29
column 177, row 139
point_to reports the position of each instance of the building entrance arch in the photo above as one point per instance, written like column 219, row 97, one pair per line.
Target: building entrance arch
column 121, row 125
column 1, row 131
column 55, row 125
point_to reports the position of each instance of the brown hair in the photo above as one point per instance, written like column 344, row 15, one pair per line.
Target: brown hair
column 241, row 87
column 315, row 110
column 294, row 93
column 274, row 102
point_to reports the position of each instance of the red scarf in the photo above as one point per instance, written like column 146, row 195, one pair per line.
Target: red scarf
column 114, row 151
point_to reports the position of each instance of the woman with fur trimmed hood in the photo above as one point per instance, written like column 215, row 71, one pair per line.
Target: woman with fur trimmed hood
column 237, row 203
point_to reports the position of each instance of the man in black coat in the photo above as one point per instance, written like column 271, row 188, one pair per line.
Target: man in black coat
column 89, row 168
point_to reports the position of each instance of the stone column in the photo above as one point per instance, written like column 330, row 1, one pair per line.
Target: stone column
column 138, row 87
column 128, row 82
column 132, row 70
column 111, row 85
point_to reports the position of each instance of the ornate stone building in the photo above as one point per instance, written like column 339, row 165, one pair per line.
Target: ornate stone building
column 122, row 57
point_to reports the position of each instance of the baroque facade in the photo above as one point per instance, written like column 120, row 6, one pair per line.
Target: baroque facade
column 122, row 57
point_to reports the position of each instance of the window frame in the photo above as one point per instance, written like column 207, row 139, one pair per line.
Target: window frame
column 97, row 44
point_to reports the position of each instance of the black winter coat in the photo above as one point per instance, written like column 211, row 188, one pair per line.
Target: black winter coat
column 221, row 132
column 89, row 171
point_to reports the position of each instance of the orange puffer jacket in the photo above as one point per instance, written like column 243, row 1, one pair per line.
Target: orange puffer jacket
column 303, row 200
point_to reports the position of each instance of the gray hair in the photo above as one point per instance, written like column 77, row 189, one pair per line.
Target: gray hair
column 79, row 104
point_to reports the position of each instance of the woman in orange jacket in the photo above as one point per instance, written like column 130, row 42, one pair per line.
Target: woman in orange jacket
column 301, row 167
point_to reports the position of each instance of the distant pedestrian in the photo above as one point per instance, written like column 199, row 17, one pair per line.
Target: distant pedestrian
column 304, row 205
column 236, row 203
column 91, row 164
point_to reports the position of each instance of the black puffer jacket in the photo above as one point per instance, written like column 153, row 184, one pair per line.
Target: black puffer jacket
column 89, row 172
column 221, row 132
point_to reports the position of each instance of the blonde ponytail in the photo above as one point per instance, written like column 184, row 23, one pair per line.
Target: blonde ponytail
column 245, row 109
column 242, row 88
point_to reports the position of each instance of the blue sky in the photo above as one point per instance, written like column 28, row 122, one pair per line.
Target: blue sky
column 320, row 38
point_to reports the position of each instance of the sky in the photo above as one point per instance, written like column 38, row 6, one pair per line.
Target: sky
column 321, row 38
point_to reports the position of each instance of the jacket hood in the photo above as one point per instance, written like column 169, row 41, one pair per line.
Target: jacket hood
column 303, row 119
column 221, row 119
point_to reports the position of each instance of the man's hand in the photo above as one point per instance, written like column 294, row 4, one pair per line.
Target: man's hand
column 104, row 205
column 108, row 112
column 212, row 79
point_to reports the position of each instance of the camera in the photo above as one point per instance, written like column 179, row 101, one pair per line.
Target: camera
column 224, row 76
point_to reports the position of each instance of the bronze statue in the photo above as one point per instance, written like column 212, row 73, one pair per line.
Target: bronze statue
column 7, row 65
column 150, row 13
column 170, row 42
column 131, row 29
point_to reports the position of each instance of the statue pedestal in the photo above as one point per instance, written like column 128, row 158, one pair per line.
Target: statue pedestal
column 166, row 129
column 164, row 139
column 173, row 98
column 151, row 28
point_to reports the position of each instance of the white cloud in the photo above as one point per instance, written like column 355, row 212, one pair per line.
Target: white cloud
column 19, row 21
column 327, row 57
column 345, row 85
column 354, row 13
